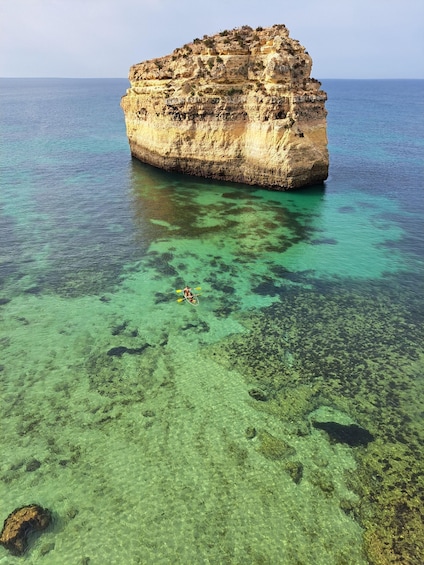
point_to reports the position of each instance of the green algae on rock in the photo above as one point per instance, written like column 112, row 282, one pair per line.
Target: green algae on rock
column 295, row 470
column 273, row 447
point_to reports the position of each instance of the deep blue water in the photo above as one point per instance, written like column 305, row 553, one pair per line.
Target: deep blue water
column 313, row 297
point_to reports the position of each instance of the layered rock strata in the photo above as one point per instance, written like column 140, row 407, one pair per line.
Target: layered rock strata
column 237, row 106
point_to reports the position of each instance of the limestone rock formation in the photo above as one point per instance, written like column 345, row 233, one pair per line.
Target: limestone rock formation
column 20, row 524
column 237, row 106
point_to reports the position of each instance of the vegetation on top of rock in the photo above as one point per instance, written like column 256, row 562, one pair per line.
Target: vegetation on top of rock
column 242, row 40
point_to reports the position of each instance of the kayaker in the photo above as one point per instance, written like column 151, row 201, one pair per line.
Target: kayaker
column 188, row 294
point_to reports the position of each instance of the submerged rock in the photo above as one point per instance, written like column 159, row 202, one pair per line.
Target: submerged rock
column 273, row 447
column 32, row 465
column 250, row 432
column 20, row 524
column 237, row 106
column 295, row 470
column 258, row 394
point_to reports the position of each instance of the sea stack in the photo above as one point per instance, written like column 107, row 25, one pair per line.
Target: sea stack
column 237, row 106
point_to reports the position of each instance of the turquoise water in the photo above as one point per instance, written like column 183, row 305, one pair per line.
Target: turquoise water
column 161, row 433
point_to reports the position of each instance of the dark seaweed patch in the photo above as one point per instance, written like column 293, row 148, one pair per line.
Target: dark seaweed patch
column 227, row 289
column 119, row 329
column 121, row 349
column 160, row 263
column 34, row 290
column 324, row 241
column 351, row 434
column 267, row 288
column 295, row 277
column 355, row 346
column 161, row 297
column 241, row 194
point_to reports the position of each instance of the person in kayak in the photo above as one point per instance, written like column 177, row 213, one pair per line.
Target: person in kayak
column 188, row 294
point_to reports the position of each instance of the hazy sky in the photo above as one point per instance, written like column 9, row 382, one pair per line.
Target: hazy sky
column 103, row 38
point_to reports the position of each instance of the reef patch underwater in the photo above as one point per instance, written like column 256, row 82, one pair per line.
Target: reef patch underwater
column 353, row 348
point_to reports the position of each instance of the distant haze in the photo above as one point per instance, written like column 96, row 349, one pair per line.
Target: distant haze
column 103, row 38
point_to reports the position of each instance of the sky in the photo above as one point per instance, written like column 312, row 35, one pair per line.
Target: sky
column 103, row 38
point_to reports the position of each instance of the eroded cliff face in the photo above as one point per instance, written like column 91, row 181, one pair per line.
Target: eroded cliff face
column 237, row 106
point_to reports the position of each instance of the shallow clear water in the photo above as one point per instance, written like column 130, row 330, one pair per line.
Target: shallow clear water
column 158, row 432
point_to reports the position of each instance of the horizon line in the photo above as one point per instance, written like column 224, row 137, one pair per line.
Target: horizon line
column 126, row 78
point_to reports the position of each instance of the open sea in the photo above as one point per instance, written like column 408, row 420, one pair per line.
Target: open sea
column 279, row 421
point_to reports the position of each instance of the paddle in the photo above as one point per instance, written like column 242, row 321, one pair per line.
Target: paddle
column 196, row 288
